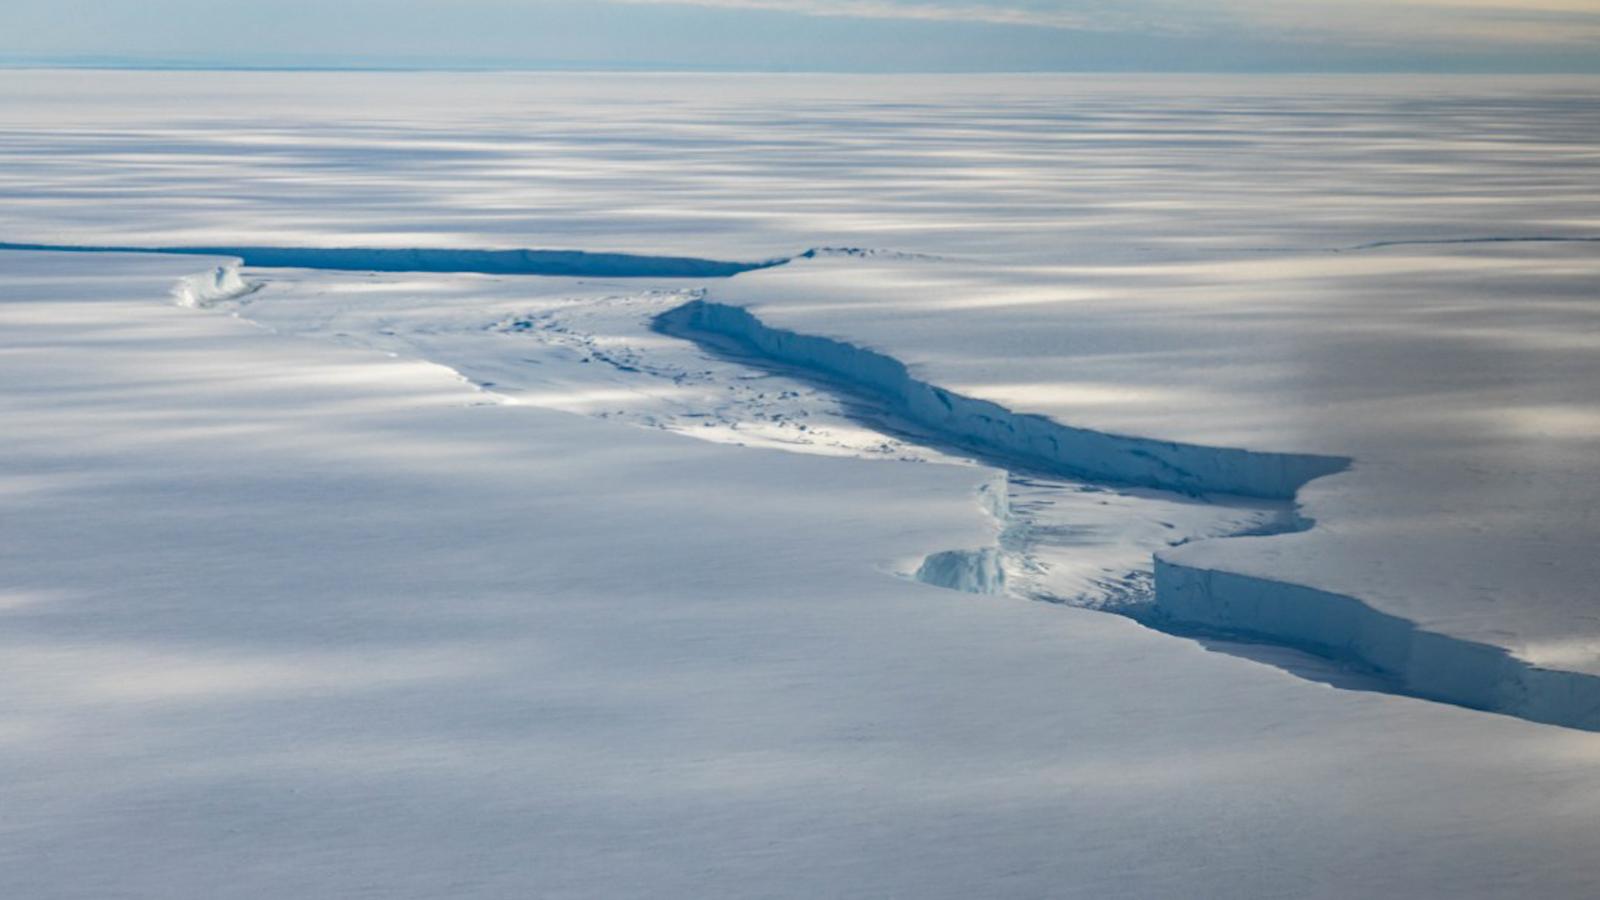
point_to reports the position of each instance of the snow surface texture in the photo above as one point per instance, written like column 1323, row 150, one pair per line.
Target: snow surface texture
column 1035, row 168
column 288, row 618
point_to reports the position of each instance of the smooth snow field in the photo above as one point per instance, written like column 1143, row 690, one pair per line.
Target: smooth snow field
column 537, row 485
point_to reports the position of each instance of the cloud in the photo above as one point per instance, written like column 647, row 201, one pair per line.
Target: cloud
column 1478, row 23
column 994, row 14
column 1475, row 23
column 818, row 35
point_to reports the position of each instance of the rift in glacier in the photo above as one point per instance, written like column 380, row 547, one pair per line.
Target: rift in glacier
column 1405, row 658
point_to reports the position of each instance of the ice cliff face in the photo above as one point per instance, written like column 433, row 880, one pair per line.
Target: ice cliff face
column 1029, row 440
column 427, row 259
column 1422, row 663
column 973, row 571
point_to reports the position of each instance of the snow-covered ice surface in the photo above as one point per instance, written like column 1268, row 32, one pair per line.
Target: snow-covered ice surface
column 756, row 167
column 284, row 618
column 372, row 612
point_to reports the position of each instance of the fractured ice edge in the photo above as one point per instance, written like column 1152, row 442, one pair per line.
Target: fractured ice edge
column 1187, row 600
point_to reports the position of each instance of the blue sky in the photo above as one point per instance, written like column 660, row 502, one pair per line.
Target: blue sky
column 814, row 35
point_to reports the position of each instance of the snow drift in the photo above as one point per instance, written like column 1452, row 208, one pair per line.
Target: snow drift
column 216, row 285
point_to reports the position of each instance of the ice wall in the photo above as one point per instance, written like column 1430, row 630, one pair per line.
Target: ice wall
column 1423, row 663
column 574, row 263
column 1028, row 440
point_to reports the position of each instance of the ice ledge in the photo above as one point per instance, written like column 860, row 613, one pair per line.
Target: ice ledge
column 569, row 263
column 1026, row 439
column 1422, row 663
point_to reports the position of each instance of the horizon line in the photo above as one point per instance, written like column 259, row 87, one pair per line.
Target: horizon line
column 669, row 69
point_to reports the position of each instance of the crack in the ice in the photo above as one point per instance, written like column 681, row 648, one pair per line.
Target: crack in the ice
column 1370, row 649
column 1191, row 602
